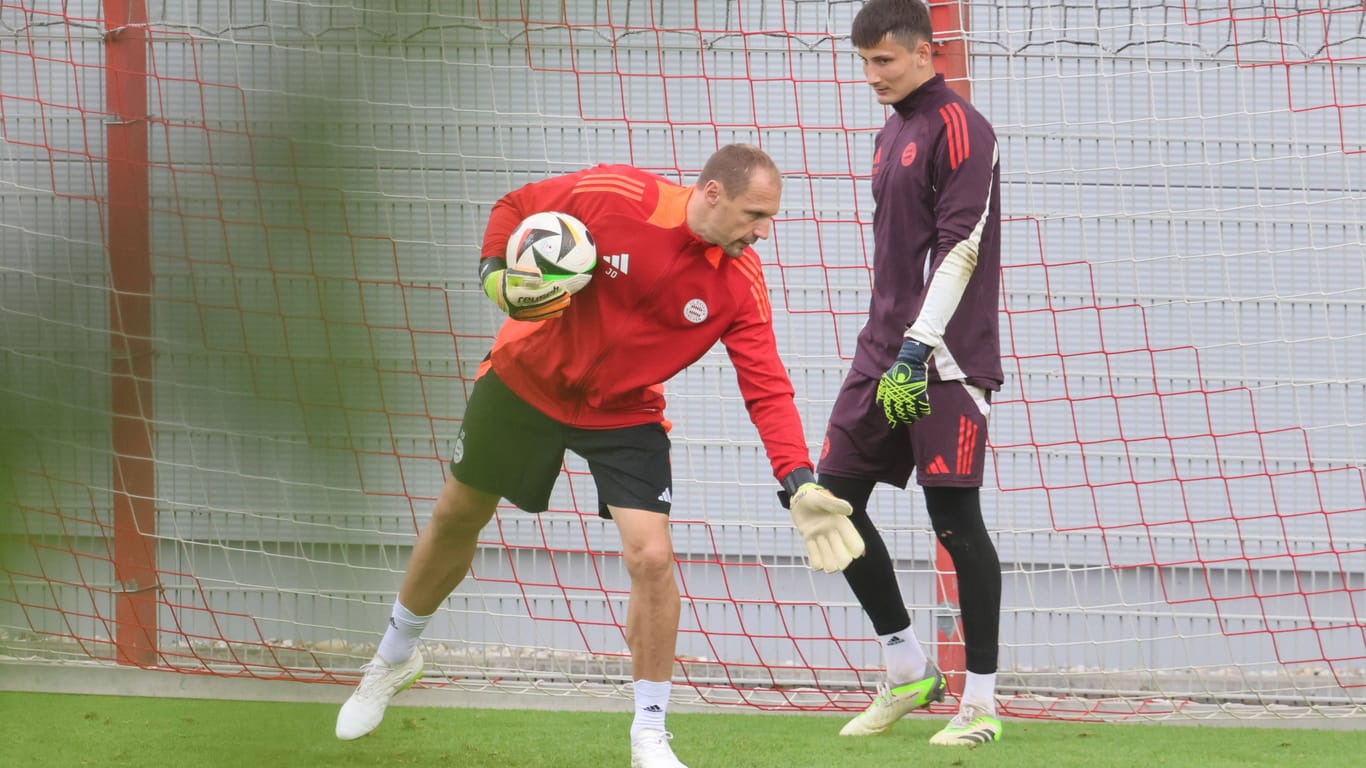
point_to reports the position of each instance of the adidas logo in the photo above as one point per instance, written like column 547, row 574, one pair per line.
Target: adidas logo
column 666, row 497
column 896, row 640
column 652, row 708
column 937, row 467
column 617, row 264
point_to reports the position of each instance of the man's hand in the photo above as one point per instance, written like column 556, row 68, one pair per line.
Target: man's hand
column 903, row 391
column 524, row 295
column 832, row 543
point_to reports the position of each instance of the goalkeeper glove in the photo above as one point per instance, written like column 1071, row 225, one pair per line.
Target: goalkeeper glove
column 832, row 542
column 522, row 293
column 903, row 391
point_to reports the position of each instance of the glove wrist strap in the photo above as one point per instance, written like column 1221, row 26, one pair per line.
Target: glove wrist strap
column 488, row 266
column 796, row 479
column 911, row 349
column 488, row 277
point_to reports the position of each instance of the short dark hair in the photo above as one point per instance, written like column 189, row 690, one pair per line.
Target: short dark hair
column 906, row 21
column 734, row 165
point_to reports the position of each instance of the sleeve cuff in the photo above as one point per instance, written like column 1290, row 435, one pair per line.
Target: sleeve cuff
column 797, row 478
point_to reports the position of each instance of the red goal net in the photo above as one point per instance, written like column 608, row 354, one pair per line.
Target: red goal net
column 239, row 319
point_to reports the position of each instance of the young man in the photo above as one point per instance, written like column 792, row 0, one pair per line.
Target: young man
column 931, row 339
column 586, row 374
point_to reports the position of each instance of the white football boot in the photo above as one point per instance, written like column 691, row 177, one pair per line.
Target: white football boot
column 363, row 712
column 650, row 749
column 895, row 702
column 973, row 725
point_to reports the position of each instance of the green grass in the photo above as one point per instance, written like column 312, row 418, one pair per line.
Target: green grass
column 74, row 730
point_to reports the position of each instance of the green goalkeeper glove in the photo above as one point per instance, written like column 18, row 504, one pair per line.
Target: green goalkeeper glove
column 903, row 391
column 521, row 292
column 832, row 542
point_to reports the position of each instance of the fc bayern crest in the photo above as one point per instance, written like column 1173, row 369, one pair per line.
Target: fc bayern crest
column 458, row 452
column 695, row 311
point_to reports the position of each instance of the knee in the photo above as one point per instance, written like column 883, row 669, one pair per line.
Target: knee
column 963, row 538
column 956, row 515
column 461, row 511
column 955, row 542
column 651, row 561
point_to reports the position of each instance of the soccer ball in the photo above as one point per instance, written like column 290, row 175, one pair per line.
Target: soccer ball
column 558, row 245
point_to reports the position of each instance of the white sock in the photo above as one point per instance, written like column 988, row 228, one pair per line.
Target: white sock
column 652, row 702
column 980, row 690
column 400, row 639
column 904, row 657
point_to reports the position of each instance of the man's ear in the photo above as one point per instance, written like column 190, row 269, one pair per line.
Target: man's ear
column 712, row 192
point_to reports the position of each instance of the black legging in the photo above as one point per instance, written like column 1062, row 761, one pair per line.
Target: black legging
column 956, row 515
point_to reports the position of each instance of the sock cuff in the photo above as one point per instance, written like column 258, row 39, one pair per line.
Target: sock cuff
column 907, row 634
column 652, row 689
column 402, row 615
column 980, row 689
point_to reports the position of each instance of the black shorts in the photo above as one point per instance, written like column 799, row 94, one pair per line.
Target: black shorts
column 508, row 448
column 946, row 448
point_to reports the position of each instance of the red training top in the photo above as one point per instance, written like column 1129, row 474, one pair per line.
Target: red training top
column 660, row 298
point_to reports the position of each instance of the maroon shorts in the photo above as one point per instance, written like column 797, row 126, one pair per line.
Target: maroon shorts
column 945, row 449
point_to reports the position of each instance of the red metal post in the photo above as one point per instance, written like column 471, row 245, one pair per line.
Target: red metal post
column 130, row 332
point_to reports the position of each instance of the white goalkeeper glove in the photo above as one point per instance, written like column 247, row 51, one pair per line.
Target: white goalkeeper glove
column 832, row 542
column 521, row 292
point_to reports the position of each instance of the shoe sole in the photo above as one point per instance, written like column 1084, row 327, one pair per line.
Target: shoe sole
column 967, row 738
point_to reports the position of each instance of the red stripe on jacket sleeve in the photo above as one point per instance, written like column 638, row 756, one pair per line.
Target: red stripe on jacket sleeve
column 956, row 124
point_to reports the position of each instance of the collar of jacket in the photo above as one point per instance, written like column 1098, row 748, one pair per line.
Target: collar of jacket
column 908, row 105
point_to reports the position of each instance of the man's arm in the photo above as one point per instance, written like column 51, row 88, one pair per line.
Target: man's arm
column 761, row 375
column 964, row 174
column 550, row 194
column 964, row 179
column 831, row 540
column 521, row 293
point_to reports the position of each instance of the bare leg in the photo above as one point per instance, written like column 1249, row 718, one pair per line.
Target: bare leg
column 445, row 547
column 652, row 615
column 439, row 562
